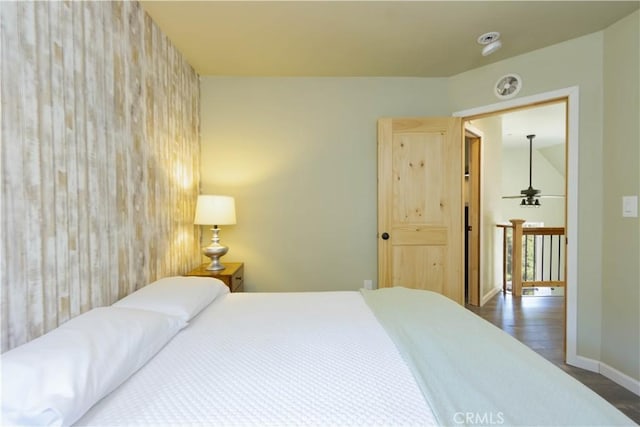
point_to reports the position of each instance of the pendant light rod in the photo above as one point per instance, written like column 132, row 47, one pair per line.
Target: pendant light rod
column 530, row 137
column 529, row 198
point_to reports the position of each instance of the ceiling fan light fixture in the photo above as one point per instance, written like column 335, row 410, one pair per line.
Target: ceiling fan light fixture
column 530, row 203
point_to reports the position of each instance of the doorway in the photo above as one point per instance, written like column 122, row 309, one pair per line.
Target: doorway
column 506, row 164
column 472, row 210
column 514, row 164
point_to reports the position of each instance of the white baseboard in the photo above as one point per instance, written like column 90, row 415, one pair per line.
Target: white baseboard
column 583, row 363
column 618, row 377
column 489, row 295
column 602, row 368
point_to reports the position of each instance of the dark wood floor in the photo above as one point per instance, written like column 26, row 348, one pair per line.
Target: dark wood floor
column 538, row 322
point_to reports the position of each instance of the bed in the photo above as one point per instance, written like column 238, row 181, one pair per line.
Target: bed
column 185, row 351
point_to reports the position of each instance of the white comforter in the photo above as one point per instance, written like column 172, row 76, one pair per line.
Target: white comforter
column 316, row 358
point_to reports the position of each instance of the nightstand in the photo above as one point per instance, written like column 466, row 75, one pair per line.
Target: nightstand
column 232, row 275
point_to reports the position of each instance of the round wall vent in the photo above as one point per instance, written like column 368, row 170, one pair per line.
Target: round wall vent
column 508, row 86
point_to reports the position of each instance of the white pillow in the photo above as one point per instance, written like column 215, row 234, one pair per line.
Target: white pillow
column 182, row 296
column 56, row 378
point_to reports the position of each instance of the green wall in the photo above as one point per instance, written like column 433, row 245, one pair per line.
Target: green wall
column 299, row 155
column 621, row 162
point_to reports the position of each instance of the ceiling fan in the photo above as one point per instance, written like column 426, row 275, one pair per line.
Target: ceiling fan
column 530, row 196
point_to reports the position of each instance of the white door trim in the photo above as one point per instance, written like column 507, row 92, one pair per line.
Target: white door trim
column 573, row 114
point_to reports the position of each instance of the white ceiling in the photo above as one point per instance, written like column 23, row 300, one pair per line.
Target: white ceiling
column 546, row 122
column 368, row 38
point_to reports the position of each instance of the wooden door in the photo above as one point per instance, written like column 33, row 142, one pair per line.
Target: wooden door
column 420, row 215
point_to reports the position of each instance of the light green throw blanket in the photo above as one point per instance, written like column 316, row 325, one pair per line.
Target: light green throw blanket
column 472, row 373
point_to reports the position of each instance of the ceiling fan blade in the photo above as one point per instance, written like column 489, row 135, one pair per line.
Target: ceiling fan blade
column 539, row 196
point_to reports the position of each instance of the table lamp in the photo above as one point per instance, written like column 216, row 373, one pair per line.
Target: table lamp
column 215, row 210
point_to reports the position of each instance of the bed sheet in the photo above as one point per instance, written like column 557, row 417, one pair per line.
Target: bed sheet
column 504, row 382
column 272, row 359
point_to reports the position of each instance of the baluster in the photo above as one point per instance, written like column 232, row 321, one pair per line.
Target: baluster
column 559, row 255
column 525, row 263
column 542, row 263
column 532, row 268
column 550, row 257
column 504, row 260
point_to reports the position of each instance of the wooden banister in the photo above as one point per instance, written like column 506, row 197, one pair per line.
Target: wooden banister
column 516, row 257
column 543, row 231
column 504, row 254
column 519, row 235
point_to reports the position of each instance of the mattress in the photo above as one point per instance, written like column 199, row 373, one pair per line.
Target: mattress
column 316, row 358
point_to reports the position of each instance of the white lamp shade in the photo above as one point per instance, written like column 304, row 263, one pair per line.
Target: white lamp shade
column 215, row 210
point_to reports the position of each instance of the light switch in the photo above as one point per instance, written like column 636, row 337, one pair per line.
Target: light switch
column 630, row 206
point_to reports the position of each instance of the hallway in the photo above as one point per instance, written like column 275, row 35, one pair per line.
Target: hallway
column 538, row 322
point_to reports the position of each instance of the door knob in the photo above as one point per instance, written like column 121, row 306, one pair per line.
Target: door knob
column 385, row 236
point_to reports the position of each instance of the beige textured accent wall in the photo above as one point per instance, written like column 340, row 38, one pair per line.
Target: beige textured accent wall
column 100, row 160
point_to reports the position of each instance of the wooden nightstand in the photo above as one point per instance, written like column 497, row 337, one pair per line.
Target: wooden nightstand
column 232, row 275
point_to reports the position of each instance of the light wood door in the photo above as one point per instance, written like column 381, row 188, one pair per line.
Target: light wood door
column 420, row 215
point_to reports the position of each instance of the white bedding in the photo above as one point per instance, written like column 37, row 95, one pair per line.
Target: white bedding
column 317, row 358
column 504, row 382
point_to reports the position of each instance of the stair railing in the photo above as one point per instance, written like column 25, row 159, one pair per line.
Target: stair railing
column 532, row 256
